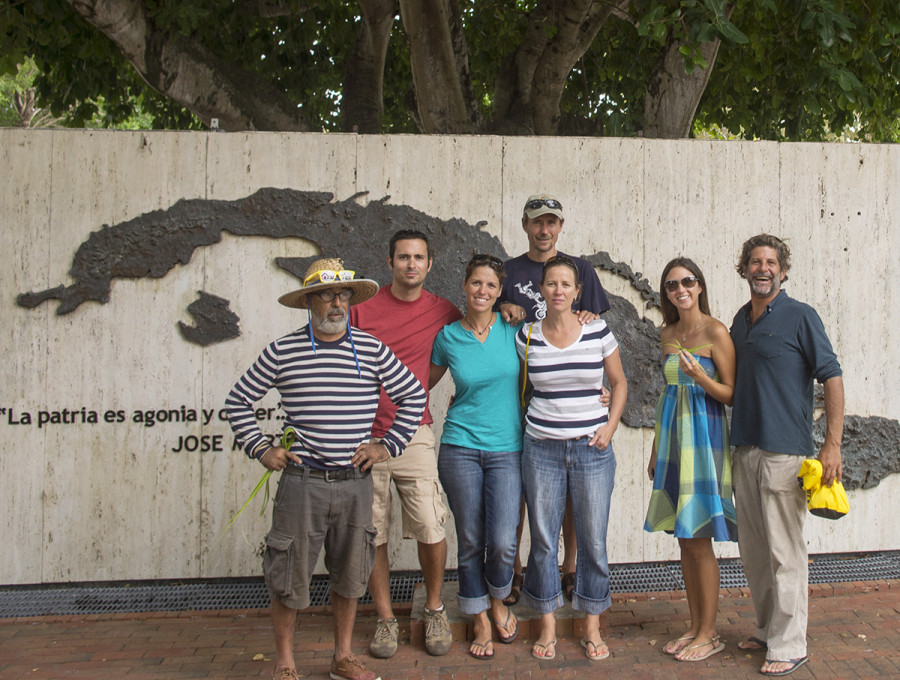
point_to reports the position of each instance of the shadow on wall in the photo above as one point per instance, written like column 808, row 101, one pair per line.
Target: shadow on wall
column 152, row 244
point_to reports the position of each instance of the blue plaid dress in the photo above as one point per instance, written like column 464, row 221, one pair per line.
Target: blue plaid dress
column 691, row 495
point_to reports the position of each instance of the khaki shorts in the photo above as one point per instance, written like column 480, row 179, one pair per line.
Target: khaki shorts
column 415, row 476
column 310, row 512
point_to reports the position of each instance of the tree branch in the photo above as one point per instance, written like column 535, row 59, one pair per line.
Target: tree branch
column 362, row 100
column 557, row 36
column 672, row 95
column 184, row 70
column 438, row 85
column 281, row 8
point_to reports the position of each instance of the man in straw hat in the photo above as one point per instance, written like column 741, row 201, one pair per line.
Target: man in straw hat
column 329, row 378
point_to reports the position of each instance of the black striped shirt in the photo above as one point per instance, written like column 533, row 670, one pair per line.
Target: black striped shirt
column 329, row 404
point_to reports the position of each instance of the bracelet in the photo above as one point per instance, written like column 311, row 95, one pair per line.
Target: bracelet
column 258, row 456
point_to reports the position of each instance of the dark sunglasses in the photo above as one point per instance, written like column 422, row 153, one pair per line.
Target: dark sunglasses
column 551, row 203
column 329, row 295
column 687, row 282
column 560, row 259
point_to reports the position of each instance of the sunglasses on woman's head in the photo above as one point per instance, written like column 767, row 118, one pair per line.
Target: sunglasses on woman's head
column 482, row 259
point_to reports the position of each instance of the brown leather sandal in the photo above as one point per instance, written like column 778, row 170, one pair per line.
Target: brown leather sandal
column 517, row 582
column 568, row 585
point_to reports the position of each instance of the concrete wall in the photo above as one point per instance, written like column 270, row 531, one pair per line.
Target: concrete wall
column 114, row 500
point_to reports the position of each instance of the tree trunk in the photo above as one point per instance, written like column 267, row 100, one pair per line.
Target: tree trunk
column 438, row 71
column 673, row 95
column 362, row 99
column 188, row 73
column 531, row 83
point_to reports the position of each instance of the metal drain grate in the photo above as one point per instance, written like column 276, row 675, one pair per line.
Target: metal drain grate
column 18, row 601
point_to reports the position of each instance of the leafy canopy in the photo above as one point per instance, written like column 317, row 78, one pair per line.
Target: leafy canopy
column 785, row 70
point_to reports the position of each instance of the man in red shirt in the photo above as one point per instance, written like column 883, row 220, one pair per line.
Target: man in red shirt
column 407, row 318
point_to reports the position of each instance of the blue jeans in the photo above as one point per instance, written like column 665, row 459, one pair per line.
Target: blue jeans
column 550, row 469
column 484, row 489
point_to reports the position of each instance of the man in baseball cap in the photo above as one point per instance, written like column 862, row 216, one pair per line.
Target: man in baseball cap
column 521, row 300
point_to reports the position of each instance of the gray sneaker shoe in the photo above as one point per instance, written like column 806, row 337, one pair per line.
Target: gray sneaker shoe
column 437, row 632
column 384, row 643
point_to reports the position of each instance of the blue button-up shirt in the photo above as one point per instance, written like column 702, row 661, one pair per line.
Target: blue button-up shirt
column 778, row 357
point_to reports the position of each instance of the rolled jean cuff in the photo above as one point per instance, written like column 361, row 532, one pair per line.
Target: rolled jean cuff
column 547, row 606
column 587, row 606
column 473, row 605
column 501, row 592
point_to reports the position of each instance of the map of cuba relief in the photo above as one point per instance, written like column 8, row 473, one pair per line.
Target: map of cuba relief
column 152, row 244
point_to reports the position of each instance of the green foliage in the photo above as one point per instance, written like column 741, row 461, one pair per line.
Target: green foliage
column 83, row 78
column 10, row 85
column 835, row 73
column 786, row 69
column 609, row 85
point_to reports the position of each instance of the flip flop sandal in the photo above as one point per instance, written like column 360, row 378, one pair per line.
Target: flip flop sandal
column 795, row 664
column 598, row 656
column 484, row 647
column 545, row 648
column 568, row 584
column 672, row 652
column 509, row 639
column 753, row 644
column 714, row 645
column 516, row 589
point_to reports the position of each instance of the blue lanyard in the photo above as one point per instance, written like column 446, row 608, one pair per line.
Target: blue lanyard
column 312, row 339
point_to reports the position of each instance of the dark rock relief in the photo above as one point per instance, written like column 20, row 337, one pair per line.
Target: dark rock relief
column 152, row 244
column 213, row 321
column 870, row 449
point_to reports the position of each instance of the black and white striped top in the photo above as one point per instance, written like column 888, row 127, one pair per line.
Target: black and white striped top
column 325, row 399
column 567, row 381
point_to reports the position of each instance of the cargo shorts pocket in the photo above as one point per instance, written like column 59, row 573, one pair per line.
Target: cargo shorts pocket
column 278, row 562
column 367, row 562
column 440, row 508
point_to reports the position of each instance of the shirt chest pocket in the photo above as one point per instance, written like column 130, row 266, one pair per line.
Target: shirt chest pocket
column 769, row 345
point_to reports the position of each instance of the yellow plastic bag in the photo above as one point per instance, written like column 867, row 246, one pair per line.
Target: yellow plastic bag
column 823, row 501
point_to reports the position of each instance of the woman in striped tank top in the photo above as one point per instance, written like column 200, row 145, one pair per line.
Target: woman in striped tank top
column 567, row 450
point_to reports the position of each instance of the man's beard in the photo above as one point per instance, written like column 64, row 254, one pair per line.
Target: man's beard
column 765, row 289
column 326, row 325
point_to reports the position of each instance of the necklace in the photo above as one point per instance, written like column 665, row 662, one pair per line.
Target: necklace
column 697, row 327
column 475, row 328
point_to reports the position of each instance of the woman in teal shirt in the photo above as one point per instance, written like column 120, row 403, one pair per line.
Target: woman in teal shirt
column 480, row 453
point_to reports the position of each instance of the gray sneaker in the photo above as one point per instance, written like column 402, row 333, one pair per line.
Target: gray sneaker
column 384, row 643
column 437, row 632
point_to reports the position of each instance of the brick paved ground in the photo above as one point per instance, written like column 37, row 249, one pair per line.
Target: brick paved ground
column 854, row 632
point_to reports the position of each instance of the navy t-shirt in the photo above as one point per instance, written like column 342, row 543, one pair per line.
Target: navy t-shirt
column 522, row 287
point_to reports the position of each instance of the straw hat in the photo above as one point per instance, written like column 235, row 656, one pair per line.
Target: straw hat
column 362, row 289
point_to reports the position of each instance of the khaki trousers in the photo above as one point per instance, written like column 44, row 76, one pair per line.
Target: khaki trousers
column 771, row 509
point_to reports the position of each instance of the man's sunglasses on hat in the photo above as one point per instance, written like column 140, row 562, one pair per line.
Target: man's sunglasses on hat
column 551, row 203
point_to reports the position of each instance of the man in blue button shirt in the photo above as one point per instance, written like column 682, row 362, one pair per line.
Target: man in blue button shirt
column 781, row 347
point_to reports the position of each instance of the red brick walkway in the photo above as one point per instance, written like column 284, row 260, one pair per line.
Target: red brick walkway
column 854, row 632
